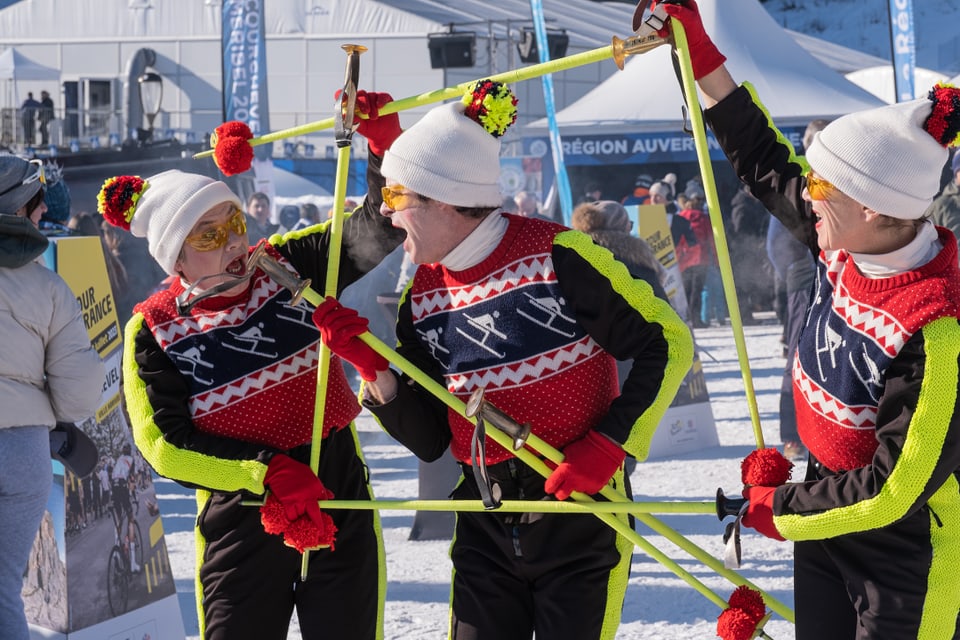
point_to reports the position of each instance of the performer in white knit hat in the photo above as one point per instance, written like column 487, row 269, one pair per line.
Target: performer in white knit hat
column 537, row 315
column 220, row 375
column 876, row 522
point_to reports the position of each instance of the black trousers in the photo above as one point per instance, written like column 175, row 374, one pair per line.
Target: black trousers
column 250, row 581
column 561, row 576
column 900, row 582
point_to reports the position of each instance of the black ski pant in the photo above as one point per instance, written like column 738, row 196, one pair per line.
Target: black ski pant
column 250, row 580
column 901, row 582
column 559, row 575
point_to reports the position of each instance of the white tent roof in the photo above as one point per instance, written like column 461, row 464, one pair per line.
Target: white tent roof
column 879, row 81
column 794, row 86
column 16, row 66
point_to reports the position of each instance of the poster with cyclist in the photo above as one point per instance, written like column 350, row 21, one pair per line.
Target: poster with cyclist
column 99, row 567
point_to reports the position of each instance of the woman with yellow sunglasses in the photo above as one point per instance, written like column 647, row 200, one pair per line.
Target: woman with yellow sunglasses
column 876, row 521
column 220, row 377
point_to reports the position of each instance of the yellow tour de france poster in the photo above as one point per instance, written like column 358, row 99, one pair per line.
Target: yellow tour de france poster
column 79, row 583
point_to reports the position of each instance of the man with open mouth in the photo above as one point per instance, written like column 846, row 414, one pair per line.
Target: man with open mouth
column 220, row 377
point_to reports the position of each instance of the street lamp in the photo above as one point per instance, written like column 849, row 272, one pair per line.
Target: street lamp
column 151, row 93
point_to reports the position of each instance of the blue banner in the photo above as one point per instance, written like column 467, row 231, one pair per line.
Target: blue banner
column 245, row 68
column 904, row 50
column 543, row 48
column 636, row 148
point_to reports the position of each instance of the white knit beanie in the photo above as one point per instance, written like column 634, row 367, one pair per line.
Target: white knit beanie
column 883, row 158
column 168, row 206
column 448, row 157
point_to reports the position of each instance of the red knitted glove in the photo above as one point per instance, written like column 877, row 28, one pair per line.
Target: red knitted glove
column 379, row 132
column 296, row 486
column 588, row 465
column 759, row 513
column 704, row 55
column 339, row 327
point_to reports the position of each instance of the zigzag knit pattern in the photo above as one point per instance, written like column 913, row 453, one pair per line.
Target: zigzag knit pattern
column 855, row 328
column 505, row 324
column 251, row 364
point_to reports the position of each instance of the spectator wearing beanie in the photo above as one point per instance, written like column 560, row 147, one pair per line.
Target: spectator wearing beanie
column 945, row 210
column 220, row 372
column 641, row 190
column 537, row 315
column 876, row 522
column 663, row 192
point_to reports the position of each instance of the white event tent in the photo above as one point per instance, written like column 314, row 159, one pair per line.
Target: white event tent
column 794, row 85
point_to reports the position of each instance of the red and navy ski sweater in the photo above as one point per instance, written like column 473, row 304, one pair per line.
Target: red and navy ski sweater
column 537, row 325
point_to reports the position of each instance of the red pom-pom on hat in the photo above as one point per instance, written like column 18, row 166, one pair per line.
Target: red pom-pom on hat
column 765, row 468
column 118, row 198
column 944, row 121
column 233, row 155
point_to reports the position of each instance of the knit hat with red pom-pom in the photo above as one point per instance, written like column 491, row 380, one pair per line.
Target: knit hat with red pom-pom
column 889, row 158
column 163, row 208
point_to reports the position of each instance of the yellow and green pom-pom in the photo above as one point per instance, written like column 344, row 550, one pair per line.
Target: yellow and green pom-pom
column 492, row 105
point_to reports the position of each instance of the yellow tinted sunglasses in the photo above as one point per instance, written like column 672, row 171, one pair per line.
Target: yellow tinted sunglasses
column 818, row 188
column 395, row 198
column 215, row 237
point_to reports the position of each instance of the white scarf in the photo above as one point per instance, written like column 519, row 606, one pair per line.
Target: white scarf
column 921, row 250
column 481, row 242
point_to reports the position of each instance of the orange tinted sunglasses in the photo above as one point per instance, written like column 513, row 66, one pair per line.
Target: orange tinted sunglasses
column 395, row 198
column 215, row 237
column 818, row 188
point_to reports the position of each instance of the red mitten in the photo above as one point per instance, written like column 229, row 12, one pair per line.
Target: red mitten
column 380, row 132
column 704, row 55
column 759, row 515
column 296, row 486
column 588, row 465
column 339, row 327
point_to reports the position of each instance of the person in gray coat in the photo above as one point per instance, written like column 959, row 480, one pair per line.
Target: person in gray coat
column 944, row 211
column 49, row 373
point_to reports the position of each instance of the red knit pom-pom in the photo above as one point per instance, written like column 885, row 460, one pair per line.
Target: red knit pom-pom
column 765, row 468
column 118, row 198
column 232, row 128
column 735, row 624
column 944, row 121
column 272, row 516
column 302, row 534
column 233, row 155
column 749, row 601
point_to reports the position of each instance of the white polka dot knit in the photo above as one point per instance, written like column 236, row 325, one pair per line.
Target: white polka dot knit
column 504, row 326
column 855, row 328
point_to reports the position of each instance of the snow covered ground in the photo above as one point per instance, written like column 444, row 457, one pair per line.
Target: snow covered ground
column 659, row 605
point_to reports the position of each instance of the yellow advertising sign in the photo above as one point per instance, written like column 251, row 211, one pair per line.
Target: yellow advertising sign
column 80, row 262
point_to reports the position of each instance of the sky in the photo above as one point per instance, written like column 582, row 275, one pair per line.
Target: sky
column 865, row 25
column 658, row 605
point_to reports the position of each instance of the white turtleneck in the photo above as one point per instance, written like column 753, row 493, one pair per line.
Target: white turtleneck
column 481, row 242
column 922, row 249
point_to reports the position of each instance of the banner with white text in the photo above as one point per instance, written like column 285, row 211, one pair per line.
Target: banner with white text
column 243, row 42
